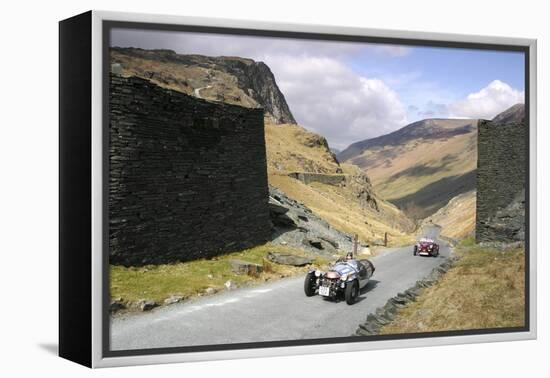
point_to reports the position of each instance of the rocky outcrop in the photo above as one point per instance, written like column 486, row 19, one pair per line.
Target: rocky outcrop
column 361, row 187
column 515, row 114
column 235, row 80
column 245, row 267
column 286, row 259
column 295, row 225
column 508, row 224
column 257, row 79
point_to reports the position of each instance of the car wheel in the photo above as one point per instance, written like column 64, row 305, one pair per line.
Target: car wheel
column 309, row 284
column 352, row 292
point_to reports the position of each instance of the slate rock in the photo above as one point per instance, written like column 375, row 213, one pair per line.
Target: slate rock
column 245, row 267
column 287, row 259
column 173, row 299
column 116, row 305
column 147, row 305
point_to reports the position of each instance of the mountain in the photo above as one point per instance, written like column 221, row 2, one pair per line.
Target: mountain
column 458, row 217
column 352, row 205
column 348, row 202
column 514, row 114
column 421, row 166
column 233, row 80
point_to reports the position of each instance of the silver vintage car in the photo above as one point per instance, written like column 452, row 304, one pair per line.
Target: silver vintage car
column 344, row 279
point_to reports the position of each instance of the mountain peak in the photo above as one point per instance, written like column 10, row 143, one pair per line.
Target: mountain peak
column 431, row 128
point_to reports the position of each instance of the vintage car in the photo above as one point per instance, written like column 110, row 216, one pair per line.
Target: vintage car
column 344, row 279
column 426, row 247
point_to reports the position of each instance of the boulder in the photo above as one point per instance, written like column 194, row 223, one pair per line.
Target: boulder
column 210, row 291
column 245, row 267
column 147, row 305
column 173, row 299
column 230, row 285
column 320, row 244
column 286, row 259
column 116, row 305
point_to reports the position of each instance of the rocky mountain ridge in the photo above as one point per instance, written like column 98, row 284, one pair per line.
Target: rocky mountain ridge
column 432, row 129
column 421, row 166
column 234, row 80
column 514, row 114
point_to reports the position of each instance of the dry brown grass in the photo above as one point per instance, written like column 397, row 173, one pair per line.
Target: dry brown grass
column 383, row 163
column 457, row 219
column 291, row 148
column 417, row 174
column 217, row 85
column 333, row 205
column 484, row 290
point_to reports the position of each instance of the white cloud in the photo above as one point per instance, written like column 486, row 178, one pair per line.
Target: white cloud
column 392, row 50
column 488, row 102
column 323, row 94
column 327, row 97
column 253, row 47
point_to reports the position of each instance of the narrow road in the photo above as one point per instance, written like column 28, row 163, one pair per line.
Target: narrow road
column 197, row 91
column 274, row 311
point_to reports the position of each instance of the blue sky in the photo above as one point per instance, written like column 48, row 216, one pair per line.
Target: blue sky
column 351, row 91
column 450, row 74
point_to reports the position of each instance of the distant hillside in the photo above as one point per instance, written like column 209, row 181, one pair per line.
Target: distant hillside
column 515, row 114
column 458, row 217
column 422, row 166
column 352, row 206
column 233, row 80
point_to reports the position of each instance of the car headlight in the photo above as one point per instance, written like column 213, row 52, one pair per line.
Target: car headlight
column 317, row 273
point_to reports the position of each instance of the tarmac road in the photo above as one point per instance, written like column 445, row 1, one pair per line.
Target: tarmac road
column 272, row 312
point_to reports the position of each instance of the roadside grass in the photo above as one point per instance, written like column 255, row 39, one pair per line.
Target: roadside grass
column 193, row 278
column 485, row 289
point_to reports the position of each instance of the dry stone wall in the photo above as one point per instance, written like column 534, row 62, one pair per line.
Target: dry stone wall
column 501, row 178
column 187, row 178
column 308, row 178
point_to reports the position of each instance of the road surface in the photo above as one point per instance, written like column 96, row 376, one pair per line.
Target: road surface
column 274, row 311
column 197, row 91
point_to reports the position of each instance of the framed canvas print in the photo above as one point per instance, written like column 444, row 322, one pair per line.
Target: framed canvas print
column 233, row 189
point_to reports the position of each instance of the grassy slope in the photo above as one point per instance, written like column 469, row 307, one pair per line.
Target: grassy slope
column 458, row 217
column 292, row 148
column 217, row 85
column 158, row 282
column 399, row 173
column 484, row 290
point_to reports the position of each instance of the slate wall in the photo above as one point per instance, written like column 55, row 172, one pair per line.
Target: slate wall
column 187, row 178
column 501, row 178
column 322, row 178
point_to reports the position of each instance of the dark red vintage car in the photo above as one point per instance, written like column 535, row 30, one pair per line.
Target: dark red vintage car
column 426, row 247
